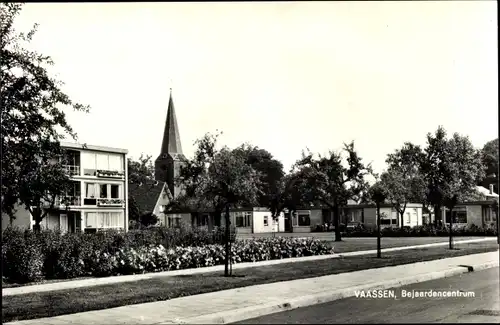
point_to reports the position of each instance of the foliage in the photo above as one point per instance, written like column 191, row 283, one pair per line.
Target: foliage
column 270, row 171
column 288, row 194
column 403, row 181
column 141, row 170
column 451, row 169
column 31, row 102
column 490, row 161
column 327, row 181
column 215, row 180
column 26, row 257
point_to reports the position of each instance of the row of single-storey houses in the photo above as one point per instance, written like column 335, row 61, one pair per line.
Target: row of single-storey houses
column 260, row 220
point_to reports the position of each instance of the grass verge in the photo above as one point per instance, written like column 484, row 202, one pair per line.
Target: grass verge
column 49, row 304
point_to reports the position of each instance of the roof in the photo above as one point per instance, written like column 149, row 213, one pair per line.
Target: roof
column 485, row 191
column 146, row 195
column 171, row 139
column 84, row 146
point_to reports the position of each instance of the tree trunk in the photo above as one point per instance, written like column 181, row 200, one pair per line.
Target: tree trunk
column 437, row 215
column 227, row 239
column 451, row 228
column 37, row 228
column 336, row 221
column 379, row 250
column 402, row 215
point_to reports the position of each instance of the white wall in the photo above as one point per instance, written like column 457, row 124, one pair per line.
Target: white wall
column 22, row 218
column 272, row 226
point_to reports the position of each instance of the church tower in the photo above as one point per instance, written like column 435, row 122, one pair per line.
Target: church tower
column 168, row 163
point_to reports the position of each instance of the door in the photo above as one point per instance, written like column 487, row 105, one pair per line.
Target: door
column 63, row 222
column 287, row 222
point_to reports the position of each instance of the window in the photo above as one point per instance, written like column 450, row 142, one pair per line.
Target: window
column 104, row 191
column 385, row 221
column 91, row 220
column 89, row 163
column 408, row 215
column 266, row 221
column 90, row 191
column 459, row 215
column 242, row 219
column 202, row 220
column 115, row 191
column 304, row 219
column 102, row 161
column 115, row 163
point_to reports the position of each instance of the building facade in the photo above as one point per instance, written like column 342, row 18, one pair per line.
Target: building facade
column 98, row 198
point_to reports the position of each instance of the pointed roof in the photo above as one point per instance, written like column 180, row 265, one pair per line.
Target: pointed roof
column 171, row 139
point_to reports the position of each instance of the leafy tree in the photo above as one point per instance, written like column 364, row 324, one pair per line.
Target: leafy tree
column 452, row 168
column 464, row 170
column 141, row 170
column 490, row 161
column 217, row 179
column 31, row 113
column 404, row 181
column 289, row 195
column 270, row 170
column 326, row 180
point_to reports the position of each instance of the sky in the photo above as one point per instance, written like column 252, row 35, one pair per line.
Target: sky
column 283, row 76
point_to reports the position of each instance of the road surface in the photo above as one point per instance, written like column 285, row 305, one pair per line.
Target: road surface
column 483, row 308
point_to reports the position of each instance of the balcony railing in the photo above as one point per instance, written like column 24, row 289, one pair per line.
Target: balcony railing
column 110, row 174
column 110, row 202
column 68, row 201
column 72, row 170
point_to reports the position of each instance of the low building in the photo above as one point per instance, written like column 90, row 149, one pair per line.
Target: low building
column 98, row 199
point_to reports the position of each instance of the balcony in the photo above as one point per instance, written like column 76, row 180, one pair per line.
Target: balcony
column 110, row 174
column 110, row 202
column 72, row 170
column 68, row 201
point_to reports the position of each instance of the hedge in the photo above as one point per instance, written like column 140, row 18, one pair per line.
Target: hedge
column 422, row 231
column 29, row 257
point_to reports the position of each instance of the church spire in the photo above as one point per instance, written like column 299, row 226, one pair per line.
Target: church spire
column 171, row 139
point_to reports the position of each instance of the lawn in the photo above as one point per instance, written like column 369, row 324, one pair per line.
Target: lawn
column 48, row 304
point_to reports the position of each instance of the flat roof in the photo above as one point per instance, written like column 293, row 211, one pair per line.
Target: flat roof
column 84, row 146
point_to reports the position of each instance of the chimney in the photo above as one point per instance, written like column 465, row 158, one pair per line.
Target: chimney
column 491, row 189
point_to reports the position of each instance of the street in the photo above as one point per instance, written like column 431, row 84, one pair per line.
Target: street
column 483, row 308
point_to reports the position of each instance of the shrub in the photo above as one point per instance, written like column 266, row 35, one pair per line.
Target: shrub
column 22, row 256
column 29, row 257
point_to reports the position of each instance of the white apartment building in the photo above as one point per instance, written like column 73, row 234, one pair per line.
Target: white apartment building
column 99, row 196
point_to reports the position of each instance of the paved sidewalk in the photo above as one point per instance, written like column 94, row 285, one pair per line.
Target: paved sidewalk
column 71, row 284
column 201, row 308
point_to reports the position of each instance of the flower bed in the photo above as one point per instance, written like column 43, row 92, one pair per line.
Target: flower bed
column 29, row 257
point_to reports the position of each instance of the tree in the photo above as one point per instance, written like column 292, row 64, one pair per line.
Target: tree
column 490, row 161
column 327, row 181
column 435, row 170
column 377, row 194
column 141, row 170
column 219, row 179
column 464, row 170
column 31, row 113
column 270, row 170
column 452, row 168
column 290, row 195
column 403, row 181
